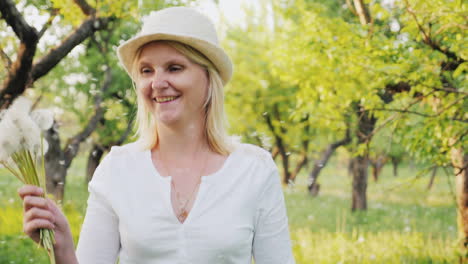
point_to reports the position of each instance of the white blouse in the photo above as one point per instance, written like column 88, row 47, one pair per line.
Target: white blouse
column 238, row 213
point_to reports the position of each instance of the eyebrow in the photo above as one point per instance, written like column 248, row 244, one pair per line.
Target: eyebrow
column 167, row 63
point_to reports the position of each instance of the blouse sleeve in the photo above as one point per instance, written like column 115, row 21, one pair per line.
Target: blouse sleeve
column 271, row 243
column 99, row 241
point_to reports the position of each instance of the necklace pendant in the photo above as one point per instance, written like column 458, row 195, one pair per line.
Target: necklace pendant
column 183, row 215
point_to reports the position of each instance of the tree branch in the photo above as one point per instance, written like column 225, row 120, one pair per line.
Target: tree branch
column 405, row 110
column 73, row 144
column 122, row 99
column 429, row 41
column 449, row 90
column 394, row 116
column 46, row 26
column 16, row 21
column 49, row 61
column 351, row 7
column 124, row 136
column 18, row 74
column 5, row 58
column 362, row 12
column 85, row 7
column 449, row 25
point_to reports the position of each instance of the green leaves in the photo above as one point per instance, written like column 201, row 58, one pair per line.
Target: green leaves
column 318, row 61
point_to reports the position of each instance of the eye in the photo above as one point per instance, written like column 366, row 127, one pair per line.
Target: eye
column 174, row 68
column 145, row 70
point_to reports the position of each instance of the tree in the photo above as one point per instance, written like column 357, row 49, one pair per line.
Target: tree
column 333, row 81
column 24, row 70
column 434, row 108
column 370, row 67
column 261, row 106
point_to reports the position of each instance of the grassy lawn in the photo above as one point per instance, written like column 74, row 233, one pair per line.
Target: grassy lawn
column 405, row 223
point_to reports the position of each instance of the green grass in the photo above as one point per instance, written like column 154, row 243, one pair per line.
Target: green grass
column 405, row 223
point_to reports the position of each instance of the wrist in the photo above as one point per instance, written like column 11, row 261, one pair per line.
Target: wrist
column 65, row 252
column 65, row 255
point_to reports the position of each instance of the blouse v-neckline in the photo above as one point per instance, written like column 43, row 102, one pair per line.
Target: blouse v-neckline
column 205, row 182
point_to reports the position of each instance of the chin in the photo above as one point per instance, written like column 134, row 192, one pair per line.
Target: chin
column 168, row 119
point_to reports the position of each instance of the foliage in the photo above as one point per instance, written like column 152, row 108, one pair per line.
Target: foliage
column 335, row 61
column 263, row 109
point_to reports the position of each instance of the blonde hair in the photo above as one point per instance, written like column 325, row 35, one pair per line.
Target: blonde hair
column 215, row 120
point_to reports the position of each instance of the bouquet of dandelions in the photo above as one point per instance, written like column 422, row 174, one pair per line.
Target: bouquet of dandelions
column 22, row 148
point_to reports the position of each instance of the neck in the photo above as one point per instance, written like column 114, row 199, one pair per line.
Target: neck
column 182, row 141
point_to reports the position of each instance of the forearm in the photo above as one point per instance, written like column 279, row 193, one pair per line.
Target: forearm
column 65, row 256
column 65, row 250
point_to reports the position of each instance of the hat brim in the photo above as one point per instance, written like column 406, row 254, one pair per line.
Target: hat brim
column 127, row 52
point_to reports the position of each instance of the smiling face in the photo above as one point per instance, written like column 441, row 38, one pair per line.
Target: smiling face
column 171, row 85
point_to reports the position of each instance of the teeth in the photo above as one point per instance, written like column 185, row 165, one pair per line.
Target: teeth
column 165, row 99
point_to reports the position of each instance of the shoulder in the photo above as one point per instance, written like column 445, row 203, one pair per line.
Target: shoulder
column 116, row 161
column 128, row 152
column 260, row 170
column 254, row 153
column 255, row 162
column 127, row 149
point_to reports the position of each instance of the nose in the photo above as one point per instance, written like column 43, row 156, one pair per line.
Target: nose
column 159, row 81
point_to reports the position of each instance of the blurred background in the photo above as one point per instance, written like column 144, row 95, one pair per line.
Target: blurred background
column 362, row 103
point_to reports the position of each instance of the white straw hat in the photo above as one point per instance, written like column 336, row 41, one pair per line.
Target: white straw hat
column 184, row 25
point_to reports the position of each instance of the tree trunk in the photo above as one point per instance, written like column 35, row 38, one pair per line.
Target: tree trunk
column 94, row 158
column 362, row 12
column 302, row 162
column 313, row 185
column 285, row 162
column 280, row 144
column 433, row 175
column 274, row 153
column 377, row 166
column 395, row 163
column 97, row 151
column 55, row 165
column 460, row 162
column 360, row 165
column 366, row 123
column 59, row 160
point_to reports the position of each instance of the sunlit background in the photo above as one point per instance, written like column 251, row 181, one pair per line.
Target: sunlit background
column 362, row 104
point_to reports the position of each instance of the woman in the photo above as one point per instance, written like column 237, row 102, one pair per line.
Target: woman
column 184, row 192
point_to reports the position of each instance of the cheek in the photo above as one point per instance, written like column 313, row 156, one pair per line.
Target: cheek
column 204, row 83
column 144, row 88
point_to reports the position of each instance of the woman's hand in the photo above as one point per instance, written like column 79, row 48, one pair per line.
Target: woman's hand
column 42, row 212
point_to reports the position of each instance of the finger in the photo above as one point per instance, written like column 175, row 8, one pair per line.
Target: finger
column 34, row 201
column 30, row 228
column 30, row 190
column 53, row 207
column 36, row 213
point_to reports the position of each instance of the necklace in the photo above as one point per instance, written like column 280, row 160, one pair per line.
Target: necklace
column 182, row 204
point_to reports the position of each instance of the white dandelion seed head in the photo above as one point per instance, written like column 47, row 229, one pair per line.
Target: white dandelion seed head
column 29, row 132
column 45, row 146
column 43, row 118
column 9, row 138
column 21, row 106
column 8, row 147
column 20, row 131
column 33, row 138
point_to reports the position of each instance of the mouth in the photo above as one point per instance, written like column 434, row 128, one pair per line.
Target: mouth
column 165, row 99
